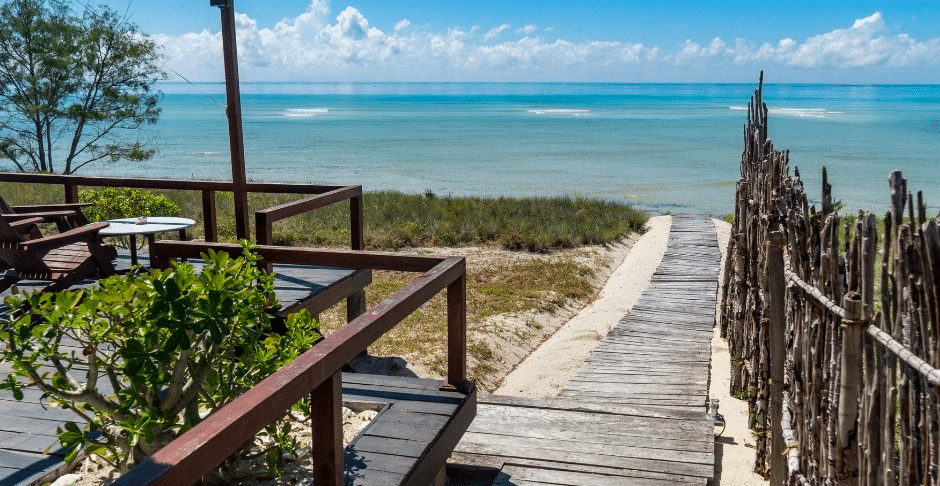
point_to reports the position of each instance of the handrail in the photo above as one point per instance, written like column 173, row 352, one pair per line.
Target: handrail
column 815, row 293
column 265, row 218
column 929, row 373
column 322, row 195
column 316, row 372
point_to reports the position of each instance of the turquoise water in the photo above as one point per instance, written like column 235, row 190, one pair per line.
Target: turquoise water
column 659, row 147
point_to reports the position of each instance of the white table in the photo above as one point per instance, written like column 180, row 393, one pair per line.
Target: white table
column 149, row 228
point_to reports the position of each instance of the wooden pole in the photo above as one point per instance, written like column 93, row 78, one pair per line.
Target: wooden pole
column 776, row 285
column 326, row 416
column 233, row 111
column 850, row 382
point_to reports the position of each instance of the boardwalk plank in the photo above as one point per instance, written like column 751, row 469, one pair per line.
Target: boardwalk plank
column 635, row 411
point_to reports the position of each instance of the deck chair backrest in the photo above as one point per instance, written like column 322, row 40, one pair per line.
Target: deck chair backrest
column 10, row 239
column 5, row 207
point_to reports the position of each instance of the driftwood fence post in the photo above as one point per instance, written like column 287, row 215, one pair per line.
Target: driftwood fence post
column 850, row 382
column 776, row 322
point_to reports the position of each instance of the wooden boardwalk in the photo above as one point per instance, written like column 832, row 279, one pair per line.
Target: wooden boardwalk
column 635, row 412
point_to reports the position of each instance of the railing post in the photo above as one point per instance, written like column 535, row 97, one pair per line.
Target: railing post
column 71, row 192
column 457, row 331
column 326, row 416
column 356, row 303
column 264, row 230
column 209, row 216
column 264, row 235
column 776, row 286
column 850, row 382
column 356, row 218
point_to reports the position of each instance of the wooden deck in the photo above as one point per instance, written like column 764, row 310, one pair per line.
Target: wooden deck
column 296, row 286
column 635, row 412
column 406, row 444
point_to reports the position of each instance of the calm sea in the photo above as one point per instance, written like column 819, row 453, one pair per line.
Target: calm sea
column 662, row 148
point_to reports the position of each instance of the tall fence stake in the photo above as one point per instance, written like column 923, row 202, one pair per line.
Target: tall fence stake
column 776, row 286
column 851, row 378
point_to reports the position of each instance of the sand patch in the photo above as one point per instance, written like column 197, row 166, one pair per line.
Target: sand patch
column 734, row 449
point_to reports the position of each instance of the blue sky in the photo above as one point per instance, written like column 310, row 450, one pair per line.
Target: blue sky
column 574, row 40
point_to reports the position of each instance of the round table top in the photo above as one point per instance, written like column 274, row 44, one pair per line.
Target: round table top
column 153, row 224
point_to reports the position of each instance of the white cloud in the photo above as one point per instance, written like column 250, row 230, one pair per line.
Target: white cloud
column 865, row 44
column 314, row 46
column 495, row 32
column 527, row 30
column 402, row 26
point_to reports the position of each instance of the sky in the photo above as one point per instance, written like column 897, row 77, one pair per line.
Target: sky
column 569, row 40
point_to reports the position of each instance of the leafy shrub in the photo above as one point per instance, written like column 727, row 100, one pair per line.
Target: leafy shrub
column 114, row 203
column 159, row 351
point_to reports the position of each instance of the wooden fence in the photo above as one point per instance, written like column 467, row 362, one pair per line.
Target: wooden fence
column 840, row 373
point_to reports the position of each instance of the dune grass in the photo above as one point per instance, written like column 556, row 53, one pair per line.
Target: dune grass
column 394, row 220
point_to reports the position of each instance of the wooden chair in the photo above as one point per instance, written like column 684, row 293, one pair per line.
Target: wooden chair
column 62, row 259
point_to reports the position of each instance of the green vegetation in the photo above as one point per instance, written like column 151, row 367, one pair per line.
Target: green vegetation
column 114, row 203
column 73, row 86
column 174, row 345
column 394, row 220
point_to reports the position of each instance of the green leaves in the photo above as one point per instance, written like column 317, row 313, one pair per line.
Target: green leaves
column 113, row 203
column 167, row 342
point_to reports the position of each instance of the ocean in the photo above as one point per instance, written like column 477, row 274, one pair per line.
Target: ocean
column 660, row 147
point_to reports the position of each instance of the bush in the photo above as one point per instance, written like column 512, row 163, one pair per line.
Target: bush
column 174, row 345
column 114, row 203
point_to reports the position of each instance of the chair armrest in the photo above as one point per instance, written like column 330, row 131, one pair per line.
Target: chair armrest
column 19, row 224
column 87, row 233
column 46, row 216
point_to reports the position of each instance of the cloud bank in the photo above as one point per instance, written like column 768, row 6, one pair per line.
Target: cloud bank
column 318, row 45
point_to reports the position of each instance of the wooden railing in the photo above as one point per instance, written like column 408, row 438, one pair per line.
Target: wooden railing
column 842, row 385
column 320, row 196
column 315, row 373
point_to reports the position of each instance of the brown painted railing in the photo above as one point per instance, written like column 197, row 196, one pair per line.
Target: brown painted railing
column 315, row 373
column 320, row 196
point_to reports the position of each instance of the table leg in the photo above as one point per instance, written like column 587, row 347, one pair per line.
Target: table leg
column 151, row 237
column 133, row 249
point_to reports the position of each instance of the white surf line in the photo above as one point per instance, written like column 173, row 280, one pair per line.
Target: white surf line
column 546, row 370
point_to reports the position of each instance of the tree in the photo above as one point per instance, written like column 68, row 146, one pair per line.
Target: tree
column 72, row 88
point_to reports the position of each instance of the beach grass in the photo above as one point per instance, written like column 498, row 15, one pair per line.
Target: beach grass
column 395, row 220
